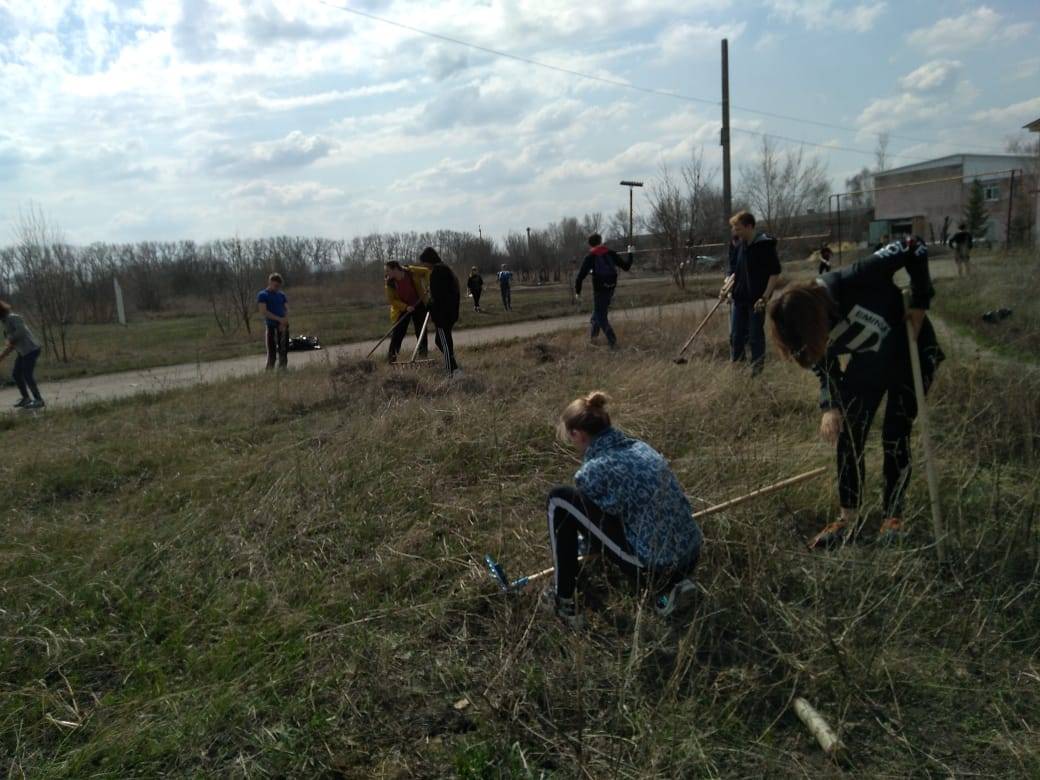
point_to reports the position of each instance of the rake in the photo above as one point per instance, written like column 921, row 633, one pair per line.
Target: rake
column 679, row 359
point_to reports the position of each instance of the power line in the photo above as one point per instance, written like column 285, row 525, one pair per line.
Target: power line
column 648, row 90
column 832, row 147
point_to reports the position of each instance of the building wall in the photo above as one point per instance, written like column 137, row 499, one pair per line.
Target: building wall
column 935, row 201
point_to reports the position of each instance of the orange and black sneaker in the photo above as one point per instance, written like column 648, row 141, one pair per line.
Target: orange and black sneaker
column 892, row 530
column 832, row 535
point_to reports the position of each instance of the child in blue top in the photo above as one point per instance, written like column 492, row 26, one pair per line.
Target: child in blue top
column 505, row 283
column 628, row 503
column 274, row 308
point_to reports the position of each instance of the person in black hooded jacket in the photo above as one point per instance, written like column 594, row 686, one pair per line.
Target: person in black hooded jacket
column 859, row 311
column 602, row 263
column 445, row 297
column 754, row 272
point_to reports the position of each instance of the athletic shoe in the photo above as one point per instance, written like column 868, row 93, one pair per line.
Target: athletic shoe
column 892, row 530
column 831, row 536
column 666, row 603
column 565, row 609
column 613, row 346
column 457, row 374
column 22, row 403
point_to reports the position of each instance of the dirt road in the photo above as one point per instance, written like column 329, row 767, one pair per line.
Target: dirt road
column 73, row 392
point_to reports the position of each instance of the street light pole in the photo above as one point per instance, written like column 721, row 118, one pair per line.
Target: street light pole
column 631, row 220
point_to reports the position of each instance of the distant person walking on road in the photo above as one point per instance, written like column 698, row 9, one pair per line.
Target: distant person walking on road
column 825, row 260
column 475, row 283
column 21, row 341
column 505, row 283
column 445, row 297
column 962, row 244
column 754, row 272
column 602, row 263
column 407, row 292
column 274, row 308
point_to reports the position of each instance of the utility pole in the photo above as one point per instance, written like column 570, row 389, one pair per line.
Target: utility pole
column 631, row 220
column 528, row 249
column 480, row 233
column 727, row 182
column 1011, row 200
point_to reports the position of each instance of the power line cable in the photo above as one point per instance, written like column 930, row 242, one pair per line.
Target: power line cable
column 640, row 88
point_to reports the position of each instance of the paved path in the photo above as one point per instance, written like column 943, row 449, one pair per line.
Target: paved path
column 73, row 392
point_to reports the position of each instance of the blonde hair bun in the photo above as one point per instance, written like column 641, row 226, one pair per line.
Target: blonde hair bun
column 597, row 400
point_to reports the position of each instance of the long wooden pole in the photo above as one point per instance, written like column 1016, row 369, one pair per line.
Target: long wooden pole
column 938, row 527
column 765, row 491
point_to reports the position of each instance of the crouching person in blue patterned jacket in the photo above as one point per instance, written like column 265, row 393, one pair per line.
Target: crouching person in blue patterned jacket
column 627, row 504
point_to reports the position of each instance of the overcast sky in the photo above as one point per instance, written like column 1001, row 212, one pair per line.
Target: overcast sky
column 203, row 118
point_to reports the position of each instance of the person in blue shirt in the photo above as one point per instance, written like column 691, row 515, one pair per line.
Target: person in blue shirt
column 505, row 284
column 627, row 503
column 858, row 311
column 274, row 308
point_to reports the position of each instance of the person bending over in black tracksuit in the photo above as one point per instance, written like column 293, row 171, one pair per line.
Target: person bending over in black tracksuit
column 859, row 311
column 602, row 263
column 444, row 305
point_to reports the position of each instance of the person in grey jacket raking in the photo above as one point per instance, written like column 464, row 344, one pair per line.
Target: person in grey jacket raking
column 754, row 272
column 859, row 311
column 626, row 503
column 602, row 263
column 21, row 341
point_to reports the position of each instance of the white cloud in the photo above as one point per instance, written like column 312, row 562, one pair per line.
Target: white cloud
column 270, row 195
column 682, row 39
column 930, row 76
column 888, row 113
column 1015, row 114
column 827, row 14
column 974, row 28
column 293, row 151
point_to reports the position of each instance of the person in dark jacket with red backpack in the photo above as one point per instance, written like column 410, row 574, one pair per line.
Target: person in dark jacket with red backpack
column 602, row 262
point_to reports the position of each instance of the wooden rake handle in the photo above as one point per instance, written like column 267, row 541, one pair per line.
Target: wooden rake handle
column 764, row 491
column 704, row 322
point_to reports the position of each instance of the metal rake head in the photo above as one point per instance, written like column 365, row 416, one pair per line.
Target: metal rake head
column 498, row 573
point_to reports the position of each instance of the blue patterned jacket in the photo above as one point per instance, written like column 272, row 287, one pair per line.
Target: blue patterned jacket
column 629, row 479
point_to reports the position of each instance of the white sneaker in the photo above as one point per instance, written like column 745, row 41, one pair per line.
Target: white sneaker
column 457, row 374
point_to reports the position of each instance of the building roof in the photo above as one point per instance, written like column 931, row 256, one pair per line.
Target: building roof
column 1033, row 126
column 976, row 162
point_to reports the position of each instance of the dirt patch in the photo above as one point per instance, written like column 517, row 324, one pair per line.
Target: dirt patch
column 541, row 352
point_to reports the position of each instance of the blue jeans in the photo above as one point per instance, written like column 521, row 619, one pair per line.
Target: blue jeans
column 747, row 326
column 24, row 366
column 600, row 309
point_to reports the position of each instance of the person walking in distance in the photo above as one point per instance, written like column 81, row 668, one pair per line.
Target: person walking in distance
column 274, row 308
column 475, row 284
column 445, row 297
column 858, row 311
column 962, row 244
column 22, row 342
column 626, row 503
column 754, row 272
column 505, row 284
column 602, row 263
column 825, row 259
column 407, row 292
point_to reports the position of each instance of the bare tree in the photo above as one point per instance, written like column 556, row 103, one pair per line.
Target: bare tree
column 780, row 186
column 668, row 221
column 45, row 266
column 881, row 153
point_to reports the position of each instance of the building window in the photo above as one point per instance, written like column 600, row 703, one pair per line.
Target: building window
column 992, row 192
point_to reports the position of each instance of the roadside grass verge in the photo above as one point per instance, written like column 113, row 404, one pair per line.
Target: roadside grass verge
column 283, row 578
column 193, row 336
